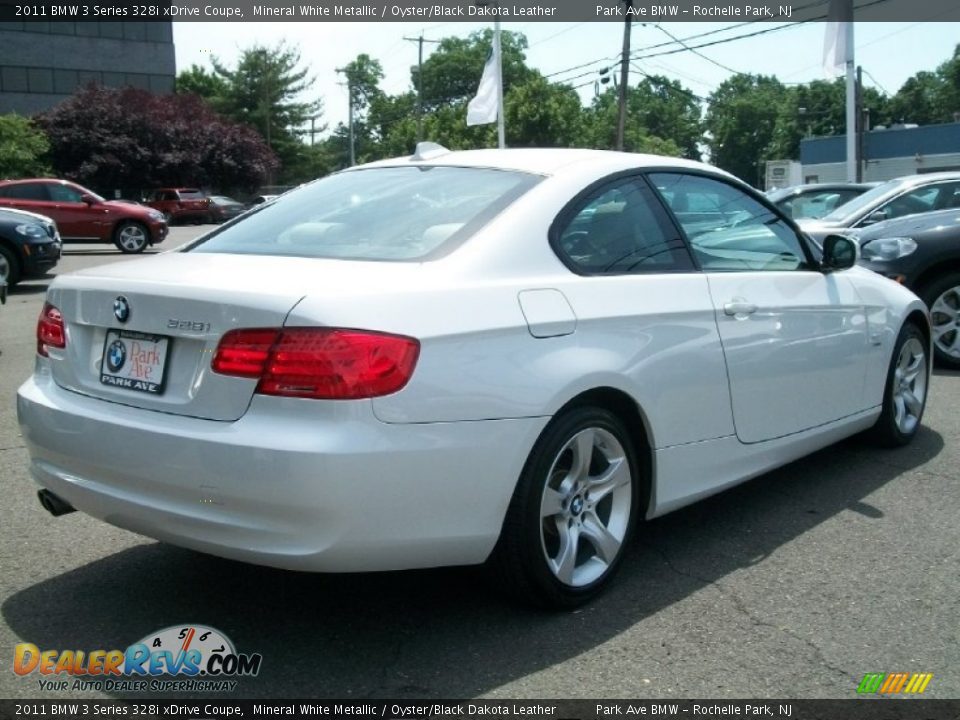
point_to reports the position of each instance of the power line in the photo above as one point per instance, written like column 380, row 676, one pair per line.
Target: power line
column 696, row 52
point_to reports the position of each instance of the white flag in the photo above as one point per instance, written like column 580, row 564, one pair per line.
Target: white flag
column 835, row 50
column 485, row 107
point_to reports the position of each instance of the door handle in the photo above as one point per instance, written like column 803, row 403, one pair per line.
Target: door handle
column 739, row 307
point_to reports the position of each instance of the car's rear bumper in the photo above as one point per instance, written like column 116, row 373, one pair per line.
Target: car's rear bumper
column 294, row 483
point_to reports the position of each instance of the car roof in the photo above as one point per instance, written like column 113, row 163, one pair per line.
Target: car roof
column 543, row 161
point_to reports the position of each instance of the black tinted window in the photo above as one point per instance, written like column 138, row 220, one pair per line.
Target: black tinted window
column 26, row 191
column 620, row 229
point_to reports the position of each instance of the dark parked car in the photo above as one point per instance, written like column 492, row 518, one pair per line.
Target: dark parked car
column 815, row 201
column 83, row 216
column 223, row 208
column 923, row 253
column 179, row 204
column 29, row 245
column 908, row 195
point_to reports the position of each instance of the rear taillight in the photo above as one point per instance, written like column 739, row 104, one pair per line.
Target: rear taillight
column 322, row 363
column 50, row 330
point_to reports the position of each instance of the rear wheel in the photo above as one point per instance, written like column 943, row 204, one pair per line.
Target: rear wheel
column 943, row 298
column 573, row 511
column 9, row 267
column 905, row 395
column 131, row 237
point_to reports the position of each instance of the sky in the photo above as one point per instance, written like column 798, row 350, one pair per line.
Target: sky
column 889, row 52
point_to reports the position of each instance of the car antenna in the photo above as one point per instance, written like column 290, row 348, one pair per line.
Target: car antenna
column 428, row 151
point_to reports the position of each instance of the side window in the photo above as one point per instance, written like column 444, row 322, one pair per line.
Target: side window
column 727, row 229
column 941, row 196
column 621, row 229
column 62, row 193
column 27, row 191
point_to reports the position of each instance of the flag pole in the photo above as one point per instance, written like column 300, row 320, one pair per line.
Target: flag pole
column 496, row 49
column 851, row 106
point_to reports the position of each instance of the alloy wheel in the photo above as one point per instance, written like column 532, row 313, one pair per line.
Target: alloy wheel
column 909, row 385
column 945, row 317
column 585, row 507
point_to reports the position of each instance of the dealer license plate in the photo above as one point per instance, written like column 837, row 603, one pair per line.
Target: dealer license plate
column 134, row 361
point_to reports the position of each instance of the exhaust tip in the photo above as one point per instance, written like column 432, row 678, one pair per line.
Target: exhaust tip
column 54, row 504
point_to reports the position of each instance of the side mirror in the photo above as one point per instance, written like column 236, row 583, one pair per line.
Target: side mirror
column 839, row 253
column 88, row 199
column 876, row 216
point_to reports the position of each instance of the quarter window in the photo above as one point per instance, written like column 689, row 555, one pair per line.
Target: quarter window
column 620, row 229
column 727, row 229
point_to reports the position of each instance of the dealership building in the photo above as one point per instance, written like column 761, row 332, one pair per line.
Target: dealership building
column 43, row 63
column 887, row 153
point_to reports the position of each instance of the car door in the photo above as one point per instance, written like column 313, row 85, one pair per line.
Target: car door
column 641, row 309
column 794, row 338
column 76, row 219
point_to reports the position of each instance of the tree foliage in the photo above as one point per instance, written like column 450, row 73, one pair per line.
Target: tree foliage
column 741, row 120
column 130, row 138
column 265, row 91
column 23, row 148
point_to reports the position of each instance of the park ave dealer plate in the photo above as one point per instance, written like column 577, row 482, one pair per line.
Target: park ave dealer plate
column 135, row 361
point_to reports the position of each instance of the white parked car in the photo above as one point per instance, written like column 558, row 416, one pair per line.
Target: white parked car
column 460, row 356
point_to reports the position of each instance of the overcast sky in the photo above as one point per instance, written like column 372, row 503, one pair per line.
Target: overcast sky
column 889, row 52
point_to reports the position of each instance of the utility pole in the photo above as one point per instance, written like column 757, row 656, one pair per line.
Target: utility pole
column 859, row 116
column 624, row 76
column 353, row 159
column 501, row 133
column 420, row 41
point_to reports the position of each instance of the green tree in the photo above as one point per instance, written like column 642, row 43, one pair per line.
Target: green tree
column 540, row 114
column 452, row 72
column 740, row 123
column 197, row 81
column 23, row 148
column 263, row 91
column 600, row 127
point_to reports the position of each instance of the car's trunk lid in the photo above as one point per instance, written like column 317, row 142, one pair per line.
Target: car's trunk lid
column 179, row 306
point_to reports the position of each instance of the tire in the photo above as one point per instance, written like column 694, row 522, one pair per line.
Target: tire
column 9, row 267
column 943, row 298
column 905, row 394
column 131, row 237
column 560, row 501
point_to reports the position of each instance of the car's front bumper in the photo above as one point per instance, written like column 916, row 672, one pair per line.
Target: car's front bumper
column 294, row 483
column 40, row 258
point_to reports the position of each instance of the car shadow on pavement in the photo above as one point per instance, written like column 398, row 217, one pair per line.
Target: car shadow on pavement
column 447, row 633
column 110, row 252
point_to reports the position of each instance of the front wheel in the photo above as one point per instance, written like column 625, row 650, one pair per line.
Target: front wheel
column 9, row 267
column 131, row 237
column 905, row 394
column 943, row 298
column 573, row 511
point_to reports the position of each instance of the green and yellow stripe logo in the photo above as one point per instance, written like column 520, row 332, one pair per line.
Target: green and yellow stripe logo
column 894, row 683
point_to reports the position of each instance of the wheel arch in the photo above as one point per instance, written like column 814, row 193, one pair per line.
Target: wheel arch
column 932, row 273
column 632, row 415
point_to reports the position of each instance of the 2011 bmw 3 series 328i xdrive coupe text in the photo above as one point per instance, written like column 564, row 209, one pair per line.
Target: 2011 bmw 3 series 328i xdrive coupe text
column 457, row 357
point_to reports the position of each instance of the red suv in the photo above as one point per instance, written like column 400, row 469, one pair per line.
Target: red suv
column 84, row 216
column 180, row 203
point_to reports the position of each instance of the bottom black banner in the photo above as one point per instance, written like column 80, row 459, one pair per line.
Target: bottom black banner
column 854, row 709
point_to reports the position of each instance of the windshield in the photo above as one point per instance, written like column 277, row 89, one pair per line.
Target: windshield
column 391, row 213
column 853, row 209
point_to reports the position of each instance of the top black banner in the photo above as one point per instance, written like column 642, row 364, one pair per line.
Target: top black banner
column 420, row 11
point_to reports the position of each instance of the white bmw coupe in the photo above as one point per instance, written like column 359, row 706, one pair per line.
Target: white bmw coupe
column 504, row 355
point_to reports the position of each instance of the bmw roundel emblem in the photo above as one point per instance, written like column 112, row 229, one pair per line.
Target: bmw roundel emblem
column 116, row 355
column 121, row 309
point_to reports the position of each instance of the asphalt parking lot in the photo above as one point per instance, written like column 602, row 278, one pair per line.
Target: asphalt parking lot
column 793, row 585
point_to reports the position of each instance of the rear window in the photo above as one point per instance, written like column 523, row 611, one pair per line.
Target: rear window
column 395, row 213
